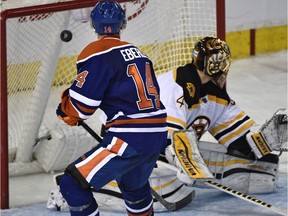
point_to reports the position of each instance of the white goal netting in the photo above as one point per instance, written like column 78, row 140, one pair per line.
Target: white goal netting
column 40, row 65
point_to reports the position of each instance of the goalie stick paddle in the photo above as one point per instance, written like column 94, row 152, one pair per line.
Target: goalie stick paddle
column 174, row 206
column 171, row 206
column 233, row 192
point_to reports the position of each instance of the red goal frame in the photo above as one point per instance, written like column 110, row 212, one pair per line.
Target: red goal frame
column 34, row 10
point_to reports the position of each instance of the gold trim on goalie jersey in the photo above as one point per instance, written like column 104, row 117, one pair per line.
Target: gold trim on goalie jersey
column 240, row 116
column 240, row 130
column 210, row 98
column 228, row 131
column 175, row 124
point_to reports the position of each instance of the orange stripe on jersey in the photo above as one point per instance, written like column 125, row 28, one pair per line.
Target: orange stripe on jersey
column 111, row 150
column 84, row 109
column 68, row 109
column 137, row 121
column 116, row 146
column 88, row 167
column 101, row 45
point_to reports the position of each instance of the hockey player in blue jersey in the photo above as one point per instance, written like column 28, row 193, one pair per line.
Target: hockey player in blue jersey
column 116, row 77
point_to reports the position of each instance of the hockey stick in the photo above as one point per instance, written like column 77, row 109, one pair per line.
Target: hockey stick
column 171, row 206
column 90, row 131
column 245, row 197
column 233, row 192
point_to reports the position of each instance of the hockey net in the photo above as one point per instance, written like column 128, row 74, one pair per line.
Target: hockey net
column 38, row 65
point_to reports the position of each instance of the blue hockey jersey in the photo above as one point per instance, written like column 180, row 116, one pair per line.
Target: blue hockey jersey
column 118, row 78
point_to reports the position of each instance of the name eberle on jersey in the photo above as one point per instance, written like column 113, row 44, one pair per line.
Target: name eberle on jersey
column 132, row 53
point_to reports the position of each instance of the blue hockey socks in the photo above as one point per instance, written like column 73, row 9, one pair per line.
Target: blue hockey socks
column 80, row 200
column 139, row 201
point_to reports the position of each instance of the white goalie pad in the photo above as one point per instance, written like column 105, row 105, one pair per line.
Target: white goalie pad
column 66, row 145
column 244, row 175
column 184, row 154
column 272, row 136
column 164, row 181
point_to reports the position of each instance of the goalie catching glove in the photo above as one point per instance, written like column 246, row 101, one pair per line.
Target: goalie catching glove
column 271, row 136
column 185, row 155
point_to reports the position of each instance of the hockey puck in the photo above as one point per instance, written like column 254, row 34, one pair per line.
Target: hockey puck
column 66, row 35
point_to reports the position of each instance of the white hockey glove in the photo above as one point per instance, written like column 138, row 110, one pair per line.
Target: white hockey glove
column 272, row 135
column 184, row 154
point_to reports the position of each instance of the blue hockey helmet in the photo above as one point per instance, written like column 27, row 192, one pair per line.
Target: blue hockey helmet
column 108, row 17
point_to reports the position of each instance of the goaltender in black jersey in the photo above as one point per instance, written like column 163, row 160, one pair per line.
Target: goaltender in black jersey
column 196, row 101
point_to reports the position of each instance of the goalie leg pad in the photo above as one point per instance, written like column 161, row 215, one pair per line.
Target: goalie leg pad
column 184, row 154
column 244, row 175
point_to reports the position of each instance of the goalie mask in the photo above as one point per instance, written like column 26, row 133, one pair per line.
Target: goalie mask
column 212, row 56
column 108, row 18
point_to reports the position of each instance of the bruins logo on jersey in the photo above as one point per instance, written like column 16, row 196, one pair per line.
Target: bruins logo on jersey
column 191, row 89
column 200, row 125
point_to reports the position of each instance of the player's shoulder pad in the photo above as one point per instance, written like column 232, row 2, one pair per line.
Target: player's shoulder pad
column 101, row 47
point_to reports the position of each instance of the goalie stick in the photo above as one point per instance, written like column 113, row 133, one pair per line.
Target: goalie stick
column 171, row 206
column 174, row 206
column 233, row 192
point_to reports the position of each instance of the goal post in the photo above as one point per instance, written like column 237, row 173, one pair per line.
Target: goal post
column 37, row 64
column 220, row 19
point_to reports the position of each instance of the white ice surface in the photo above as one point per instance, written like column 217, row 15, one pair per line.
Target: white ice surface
column 258, row 85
